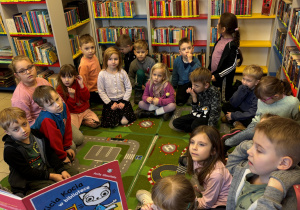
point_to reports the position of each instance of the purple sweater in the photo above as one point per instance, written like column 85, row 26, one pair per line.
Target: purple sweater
column 167, row 94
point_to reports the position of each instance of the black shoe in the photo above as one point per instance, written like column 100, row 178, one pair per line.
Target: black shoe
column 182, row 161
column 180, row 104
column 167, row 116
column 147, row 114
column 138, row 112
column 138, row 94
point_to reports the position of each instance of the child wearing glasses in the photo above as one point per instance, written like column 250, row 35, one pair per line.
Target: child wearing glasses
column 274, row 97
column 25, row 72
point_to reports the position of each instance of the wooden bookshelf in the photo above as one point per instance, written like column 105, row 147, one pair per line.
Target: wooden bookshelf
column 197, row 43
column 31, row 35
column 253, row 16
column 77, row 55
column 252, row 43
column 24, row 2
column 78, row 24
column 136, row 17
column 53, row 65
column 241, row 68
column 201, row 16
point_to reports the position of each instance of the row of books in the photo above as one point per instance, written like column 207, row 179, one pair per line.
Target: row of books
column 2, row 28
column 171, row 34
column 71, row 16
column 82, row 8
column 291, row 63
column 214, row 35
column 114, row 9
column 280, row 38
column 34, row 21
column 169, row 57
column 74, row 42
column 295, row 24
column 111, row 34
column 19, row 0
column 5, row 54
column 284, row 11
column 268, row 7
column 44, row 72
column 174, row 8
column 37, row 49
column 237, row 7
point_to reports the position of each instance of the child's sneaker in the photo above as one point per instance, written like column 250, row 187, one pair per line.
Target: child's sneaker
column 144, row 197
column 167, row 116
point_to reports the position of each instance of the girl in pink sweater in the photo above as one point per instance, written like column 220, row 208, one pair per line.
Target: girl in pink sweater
column 25, row 72
column 159, row 95
column 206, row 163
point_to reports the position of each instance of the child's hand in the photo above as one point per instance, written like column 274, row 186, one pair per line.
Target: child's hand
column 143, row 87
column 121, row 105
column 189, row 57
column 67, row 160
column 149, row 206
column 65, row 175
column 149, row 100
column 155, row 101
column 55, row 177
column 114, row 106
column 71, row 92
column 213, row 78
column 228, row 116
column 191, row 91
column 71, row 153
column 80, row 81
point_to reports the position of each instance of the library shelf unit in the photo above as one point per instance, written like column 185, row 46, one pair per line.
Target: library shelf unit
column 60, row 33
column 256, row 37
column 140, row 19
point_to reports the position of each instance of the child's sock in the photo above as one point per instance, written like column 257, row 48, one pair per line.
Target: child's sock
column 124, row 121
column 159, row 111
column 152, row 107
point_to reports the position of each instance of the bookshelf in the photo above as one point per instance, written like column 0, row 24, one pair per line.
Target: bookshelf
column 256, row 36
column 140, row 19
column 60, row 33
column 277, row 58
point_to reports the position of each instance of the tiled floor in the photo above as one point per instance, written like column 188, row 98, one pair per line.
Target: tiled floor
column 4, row 103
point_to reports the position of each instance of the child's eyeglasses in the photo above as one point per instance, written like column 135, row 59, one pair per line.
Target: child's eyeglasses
column 23, row 71
column 267, row 99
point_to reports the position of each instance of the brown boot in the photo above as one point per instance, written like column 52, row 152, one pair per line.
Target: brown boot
column 238, row 126
column 224, row 119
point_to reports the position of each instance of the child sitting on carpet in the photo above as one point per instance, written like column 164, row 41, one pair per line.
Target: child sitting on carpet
column 265, row 169
column 169, row 193
column 54, row 122
column 32, row 163
column 159, row 95
column 206, row 163
column 76, row 95
column 206, row 106
column 274, row 97
column 115, row 90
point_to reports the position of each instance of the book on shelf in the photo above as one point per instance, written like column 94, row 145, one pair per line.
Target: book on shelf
column 291, row 63
column 237, row 7
column 268, row 7
column 82, row 6
column 169, row 57
column 52, row 79
column 71, row 15
column 74, row 42
column 75, row 192
column 174, row 8
column 33, row 21
column 7, row 78
column 171, row 34
column 280, row 38
column 111, row 34
column 295, row 24
column 284, row 11
column 214, row 35
column 44, row 72
column 2, row 28
column 114, row 9
column 6, row 51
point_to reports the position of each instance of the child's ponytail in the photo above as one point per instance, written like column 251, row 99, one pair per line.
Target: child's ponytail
column 236, row 39
column 269, row 86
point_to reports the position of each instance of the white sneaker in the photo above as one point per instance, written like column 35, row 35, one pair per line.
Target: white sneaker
column 144, row 197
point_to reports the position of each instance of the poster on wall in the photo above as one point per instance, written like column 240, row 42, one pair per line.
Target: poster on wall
column 98, row 188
